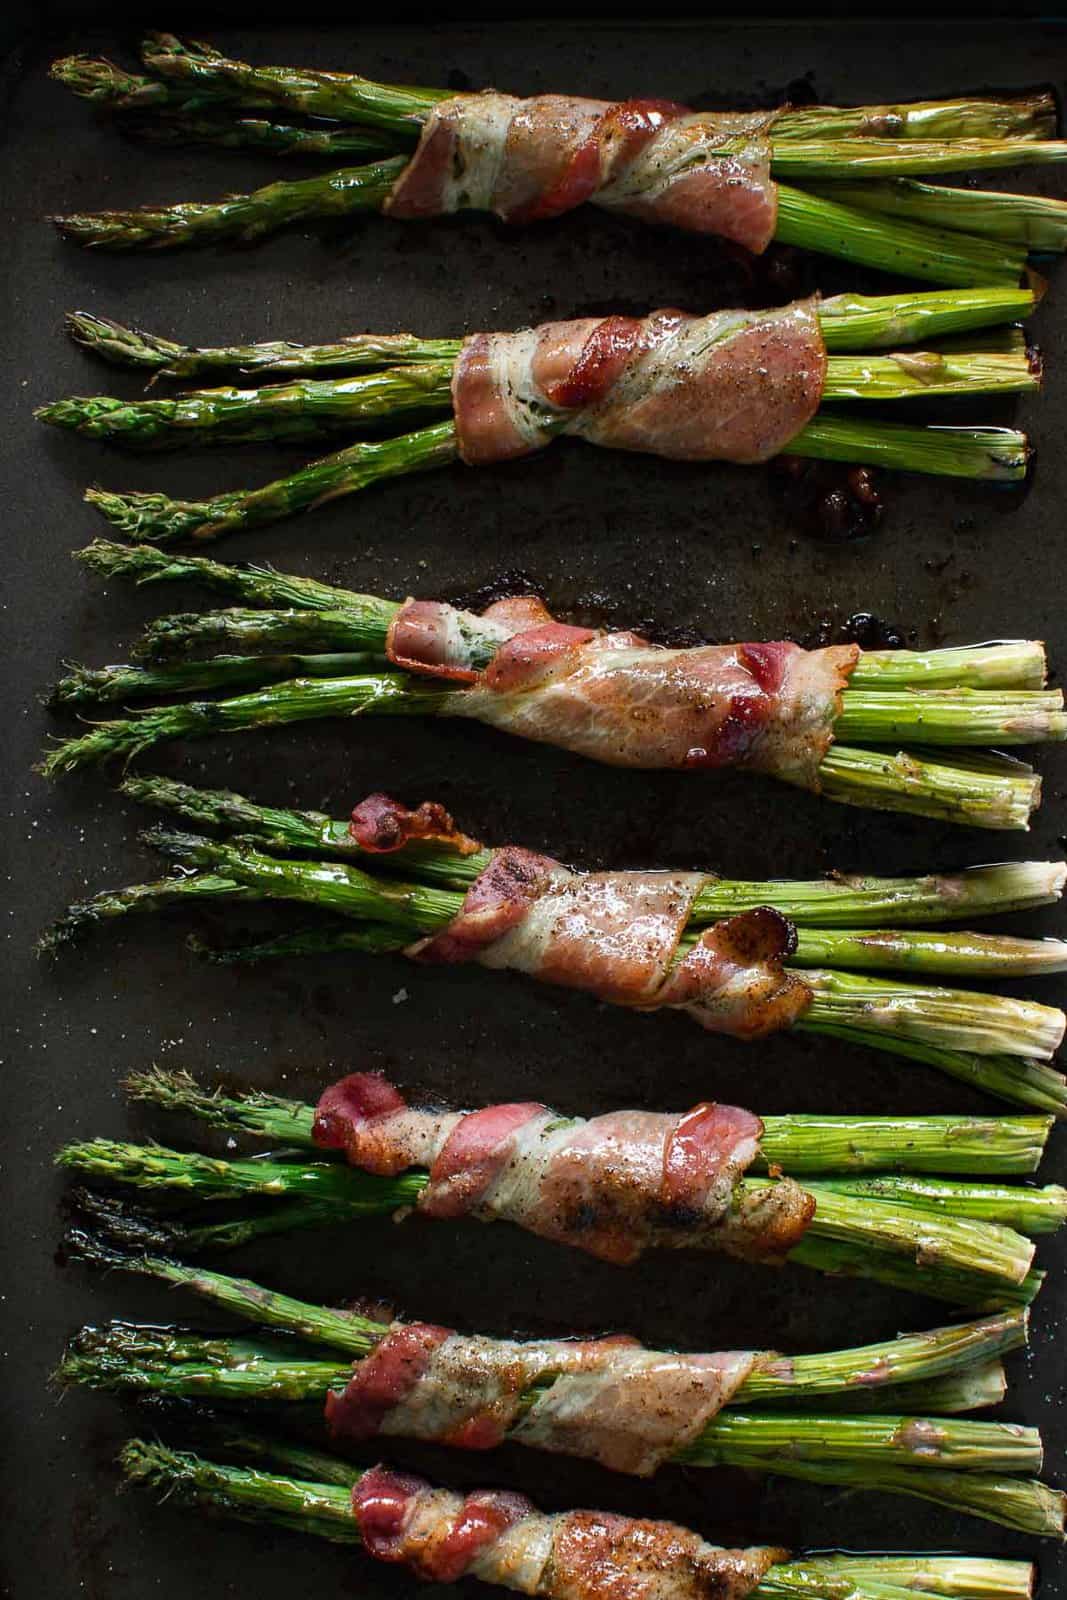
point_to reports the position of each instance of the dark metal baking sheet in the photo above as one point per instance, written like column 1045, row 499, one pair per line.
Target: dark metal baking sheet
column 620, row 539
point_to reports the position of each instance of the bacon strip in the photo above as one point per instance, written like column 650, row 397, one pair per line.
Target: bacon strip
column 576, row 1555
column 767, row 708
column 612, row 1186
column 730, row 386
column 607, row 1400
column 528, row 159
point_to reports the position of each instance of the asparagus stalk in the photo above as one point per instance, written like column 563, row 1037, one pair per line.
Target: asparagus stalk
column 1029, row 1210
column 995, row 1146
column 105, row 685
column 132, row 347
column 312, row 408
column 950, row 1258
column 849, row 322
column 257, row 133
column 962, row 1577
column 309, row 408
column 1036, row 222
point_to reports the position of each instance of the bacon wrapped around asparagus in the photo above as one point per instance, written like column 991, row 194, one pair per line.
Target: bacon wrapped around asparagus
column 735, row 386
column 502, row 1538
column 734, row 957
column 528, row 159
column 804, row 716
column 852, row 1417
column 611, row 1186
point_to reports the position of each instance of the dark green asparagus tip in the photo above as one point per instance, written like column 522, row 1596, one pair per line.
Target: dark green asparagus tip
column 173, row 1090
column 92, row 1248
column 140, row 1461
column 110, row 1233
column 153, row 517
column 93, row 78
column 127, row 347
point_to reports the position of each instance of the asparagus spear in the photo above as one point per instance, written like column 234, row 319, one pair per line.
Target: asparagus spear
column 849, row 322
column 1034, row 221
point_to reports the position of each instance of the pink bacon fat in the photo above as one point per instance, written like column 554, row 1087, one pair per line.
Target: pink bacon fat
column 528, row 159
column 614, row 697
column 612, row 1186
column 502, row 1538
column 607, row 1400
column 732, row 386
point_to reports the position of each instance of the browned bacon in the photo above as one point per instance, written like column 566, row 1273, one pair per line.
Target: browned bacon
column 613, row 696
column 706, row 172
column 613, row 1186
column 730, row 386
column 608, row 1400
column 577, row 1555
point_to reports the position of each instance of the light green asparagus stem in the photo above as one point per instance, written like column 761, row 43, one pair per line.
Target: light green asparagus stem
column 957, row 954
column 919, row 373
column 1016, row 1079
column 849, row 323
column 1030, row 116
column 105, row 685
column 933, row 255
column 1034, row 221
column 310, row 408
column 158, row 518
column 1028, row 1210
column 997, row 454
column 951, row 716
column 958, row 1577
column 851, row 901
column 954, row 1019
column 241, row 217
column 877, row 158
column 994, row 1146
column 1014, row 664
column 132, row 347
column 976, row 790
column 974, row 1389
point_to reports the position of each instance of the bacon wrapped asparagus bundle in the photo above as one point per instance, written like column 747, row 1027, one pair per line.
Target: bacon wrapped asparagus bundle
column 831, row 720
column 607, row 1400
column 736, row 386
column 501, row 1538
column 612, row 1186
column 710, row 173
column 728, row 955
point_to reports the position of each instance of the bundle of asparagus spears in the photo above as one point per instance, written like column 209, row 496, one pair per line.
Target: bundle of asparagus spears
column 849, row 1418
column 837, row 945
column 881, row 348
column 302, row 650
column 653, row 160
column 279, row 1482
